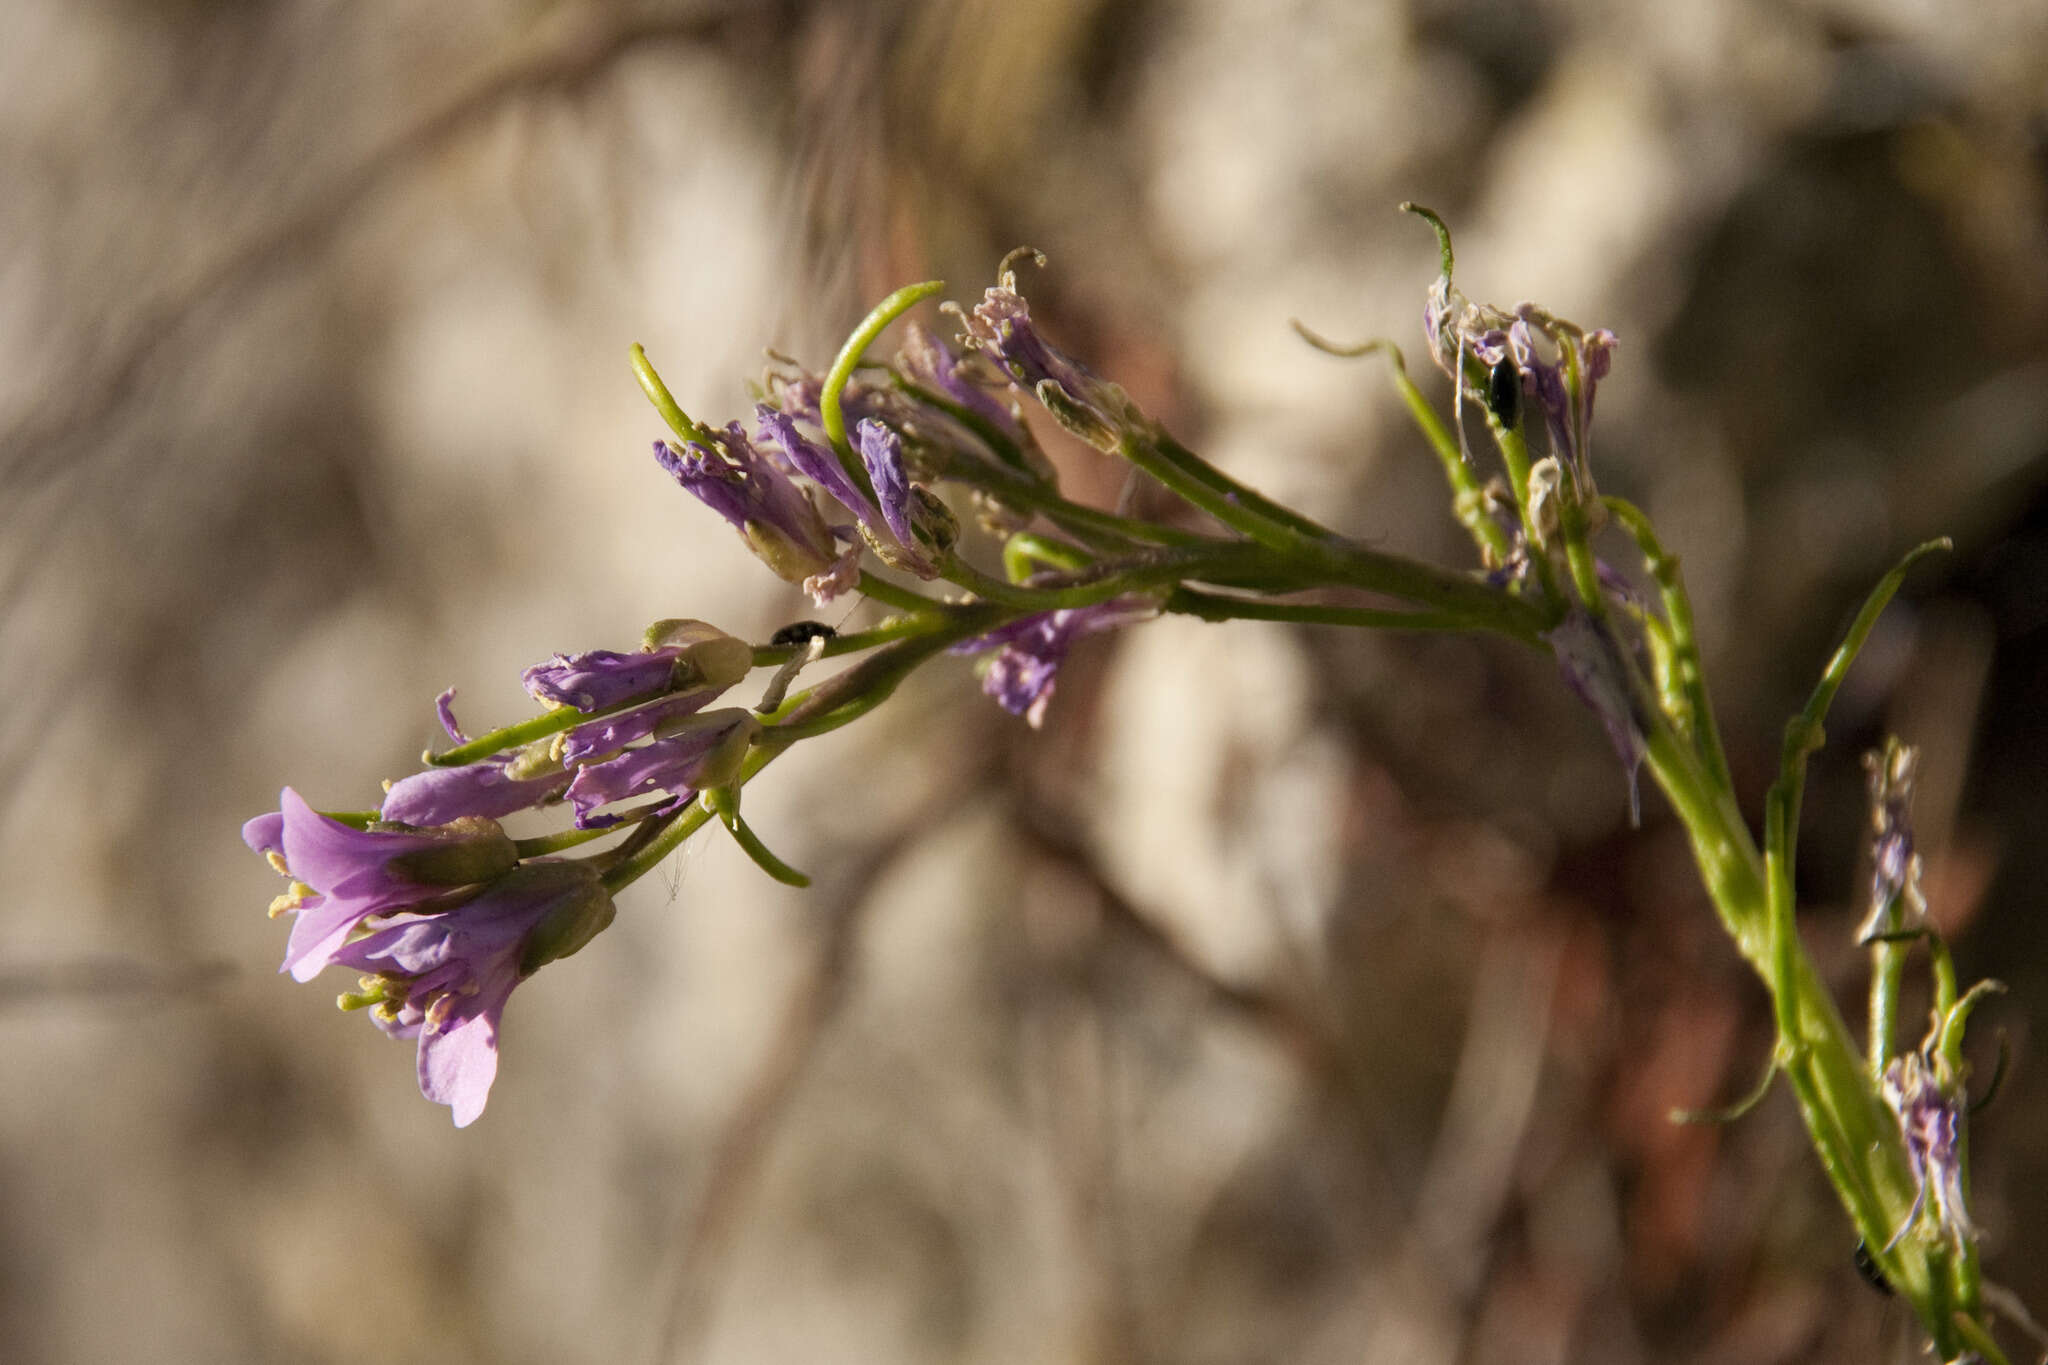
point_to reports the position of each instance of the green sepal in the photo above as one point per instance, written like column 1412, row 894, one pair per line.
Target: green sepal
column 582, row 911
column 469, row 850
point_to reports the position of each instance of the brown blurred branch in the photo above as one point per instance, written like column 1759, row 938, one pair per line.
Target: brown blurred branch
column 1312, row 1045
column 109, row 980
column 742, row 1144
column 566, row 58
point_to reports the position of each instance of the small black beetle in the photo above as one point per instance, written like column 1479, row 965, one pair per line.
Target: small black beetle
column 802, row 633
column 1504, row 392
column 1866, row 1266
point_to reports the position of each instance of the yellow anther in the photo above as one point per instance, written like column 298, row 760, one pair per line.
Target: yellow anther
column 276, row 861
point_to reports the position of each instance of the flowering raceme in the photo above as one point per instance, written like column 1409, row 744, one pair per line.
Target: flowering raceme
column 843, row 478
column 439, row 906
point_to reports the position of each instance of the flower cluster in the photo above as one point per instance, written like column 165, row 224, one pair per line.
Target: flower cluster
column 873, row 487
column 439, row 908
column 1028, row 652
column 1511, row 361
column 1895, row 902
column 444, row 921
column 442, row 912
column 1928, row 1101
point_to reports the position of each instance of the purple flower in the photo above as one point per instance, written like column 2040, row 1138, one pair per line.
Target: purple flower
column 707, row 661
column 918, row 524
column 928, row 363
column 881, row 450
column 1557, row 362
column 1930, row 1118
column 444, row 707
column 1591, row 661
column 1029, row 651
column 1895, row 898
column 621, row 728
column 1561, row 365
column 814, row 460
column 933, row 435
column 700, row 751
column 602, row 678
column 770, row 512
column 342, row 875
column 878, row 518
column 799, row 394
column 490, row 788
column 444, row 978
column 1091, row 407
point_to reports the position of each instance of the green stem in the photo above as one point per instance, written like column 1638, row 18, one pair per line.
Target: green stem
column 1442, row 230
column 1101, row 581
column 1979, row 1339
column 1804, row 732
column 650, row 855
column 1514, row 457
column 664, row 402
column 1853, row 1131
column 1488, row 608
column 1318, row 557
column 725, row 803
column 1099, row 589
column 551, row 722
column 1200, row 483
column 1468, row 499
column 544, row 845
column 1664, row 570
column 1024, row 550
column 1578, row 544
column 1209, row 606
column 995, row 438
column 890, row 595
column 1089, row 523
column 831, row 414
column 853, row 641
column 847, row 696
column 1887, row 977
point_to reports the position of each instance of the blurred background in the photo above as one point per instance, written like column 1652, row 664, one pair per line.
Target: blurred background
column 1292, row 995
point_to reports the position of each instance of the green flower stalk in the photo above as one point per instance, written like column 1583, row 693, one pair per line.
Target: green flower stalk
column 869, row 482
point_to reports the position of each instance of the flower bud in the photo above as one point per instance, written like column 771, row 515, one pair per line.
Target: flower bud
column 468, row 850
column 689, row 753
column 758, row 499
column 705, row 655
column 1590, row 659
column 731, row 732
column 582, row 910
